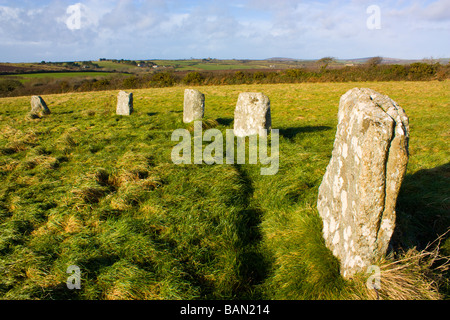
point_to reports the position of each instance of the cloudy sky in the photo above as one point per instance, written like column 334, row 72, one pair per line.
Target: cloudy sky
column 70, row 30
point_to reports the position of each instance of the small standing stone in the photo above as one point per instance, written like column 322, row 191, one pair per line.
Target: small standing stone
column 359, row 190
column 194, row 105
column 38, row 106
column 124, row 103
column 252, row 115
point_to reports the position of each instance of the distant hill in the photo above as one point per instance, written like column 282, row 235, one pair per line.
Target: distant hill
column 280, row 59
column 386, row 60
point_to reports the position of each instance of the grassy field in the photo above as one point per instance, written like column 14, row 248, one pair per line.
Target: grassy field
column 85, row 187
column 58, row 75
column 218, row 65
column 119, row 67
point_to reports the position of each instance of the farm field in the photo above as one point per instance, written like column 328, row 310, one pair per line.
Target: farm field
column 83, row 186
column 59, row 75
column 213, row 65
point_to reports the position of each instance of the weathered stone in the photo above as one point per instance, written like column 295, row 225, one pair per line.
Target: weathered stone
column 194, row 105
column 124, row 103
column 252, row 115
column 38, row 106
column 359, row 190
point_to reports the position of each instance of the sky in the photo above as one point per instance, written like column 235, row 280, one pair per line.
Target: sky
column 74, row 30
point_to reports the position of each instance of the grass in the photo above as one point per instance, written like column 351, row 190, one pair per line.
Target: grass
column 120, row 67
column 56, row 75
column 217, row 65
column 85, row 187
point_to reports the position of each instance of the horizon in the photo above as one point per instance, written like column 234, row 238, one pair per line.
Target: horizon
column 87, row 30
column 227, row 59
column 230, row 59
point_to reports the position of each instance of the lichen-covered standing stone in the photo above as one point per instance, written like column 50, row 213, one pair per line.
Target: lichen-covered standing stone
column 194, row 105
column 38, row 106
column 252, row 115
column 124, row 103
column 358, row 193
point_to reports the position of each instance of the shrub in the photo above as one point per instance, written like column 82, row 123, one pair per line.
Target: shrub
column 85, row 85
column 259, row 76
column 443, row 72
column 193, row 78
column 101, row 84
column 398, row 71
column 162, row 79
column 64, row 86
column 422, row 71
column 373, row 62
column 296, row 74
column 9, row 85
column 130, row 82
column 238, row 77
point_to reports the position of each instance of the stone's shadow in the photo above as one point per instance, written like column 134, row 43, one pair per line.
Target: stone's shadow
column 177, row 111
column 423, row 208
column 150, row 114
column 225, row 121
column 292, row 132
column 254, row 266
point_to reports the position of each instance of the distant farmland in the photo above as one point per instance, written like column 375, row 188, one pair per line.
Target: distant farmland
column 56, row 75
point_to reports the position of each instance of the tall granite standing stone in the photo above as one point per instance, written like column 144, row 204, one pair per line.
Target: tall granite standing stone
column 38, row 106
column 124, row 103
column 252, row 115
column 194, row 105
column 359, row 190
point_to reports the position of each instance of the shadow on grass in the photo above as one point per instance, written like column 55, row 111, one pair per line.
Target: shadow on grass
column 65, row 112
column 423, row 208
column 254, row 266
column 292, row 132
column 225, row 121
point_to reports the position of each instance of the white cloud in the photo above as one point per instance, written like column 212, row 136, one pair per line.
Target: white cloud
column 8, row 13
column 437, row 11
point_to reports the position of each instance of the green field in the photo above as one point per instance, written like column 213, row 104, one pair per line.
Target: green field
column 85, row 187
column 57, row 75
column 120, row 67
column 218, row 65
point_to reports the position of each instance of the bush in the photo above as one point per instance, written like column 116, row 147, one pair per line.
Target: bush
column 130, row 82
column 101, row 84
column 194, row 78
column 296, row 74
column 398, row 71
column 443, row 72
column 239, row 77
column 422, row 71
column 64, row 86
column 8, row 86
column 162, row 79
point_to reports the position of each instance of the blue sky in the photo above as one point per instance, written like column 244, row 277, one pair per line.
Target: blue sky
column 33, row 30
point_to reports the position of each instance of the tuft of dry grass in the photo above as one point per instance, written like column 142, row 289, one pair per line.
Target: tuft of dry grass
column 72, row 224
column 413, row 275
column 89, row 195
column 206, row 124
column 88, row 190
column 17, row 140
column 46, row 162
column 88, row 113
column 8, row 165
